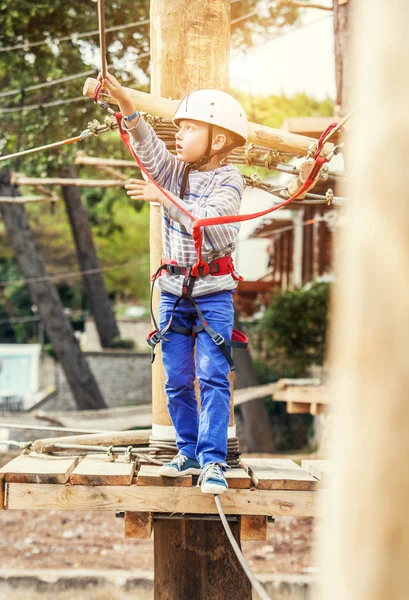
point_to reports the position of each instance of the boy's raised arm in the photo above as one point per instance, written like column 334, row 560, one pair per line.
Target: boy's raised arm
column 151, row 151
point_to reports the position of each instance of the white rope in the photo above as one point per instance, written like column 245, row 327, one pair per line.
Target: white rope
column 253, row 580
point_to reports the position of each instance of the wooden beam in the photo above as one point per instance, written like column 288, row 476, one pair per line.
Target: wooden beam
column 107, row 438
column 95, row 469
column 298, row 408
column 301, row 394
column 138, row 525
column 253, row 527
column 105, row 183
column 258, row 134
column 154, row 499
column 37, row 468
column 2, row 490
column 93, row 161
column 278, row 474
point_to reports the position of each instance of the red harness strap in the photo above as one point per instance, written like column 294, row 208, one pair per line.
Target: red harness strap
column 221, row 266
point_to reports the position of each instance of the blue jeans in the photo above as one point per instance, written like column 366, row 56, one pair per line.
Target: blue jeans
column 202, row 436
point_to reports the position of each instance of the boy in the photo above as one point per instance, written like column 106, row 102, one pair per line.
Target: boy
column 210, row 124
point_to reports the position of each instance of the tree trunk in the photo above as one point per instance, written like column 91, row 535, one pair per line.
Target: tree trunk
column 343, row 58
column 87, row 259
column 44, row 295
column 366, row 541
column 254, row 413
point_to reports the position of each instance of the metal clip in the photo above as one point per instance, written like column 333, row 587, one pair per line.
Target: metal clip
column 128, row 454
column 110, row 455
column 93, row 126
column 105, row 106
column 271, row 158
column 324, row 172
column 247, row 154
column 329, row 195
column 27, row 447
column 110, row 122
column 312, row 148
column 256, row 179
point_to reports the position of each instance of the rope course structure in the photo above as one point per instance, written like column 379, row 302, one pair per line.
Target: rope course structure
column 317, row 154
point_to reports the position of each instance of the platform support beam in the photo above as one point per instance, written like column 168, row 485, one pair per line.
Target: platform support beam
column 193, row 559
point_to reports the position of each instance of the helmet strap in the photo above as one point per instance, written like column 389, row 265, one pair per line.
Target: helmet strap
column 203, row 161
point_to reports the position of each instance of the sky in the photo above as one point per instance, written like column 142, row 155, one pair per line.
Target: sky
column 300, row 61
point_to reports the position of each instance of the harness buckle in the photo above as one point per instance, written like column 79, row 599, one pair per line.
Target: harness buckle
column 218, row 339
column 174, row 269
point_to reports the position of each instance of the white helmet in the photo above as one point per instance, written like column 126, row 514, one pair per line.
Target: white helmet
column 216, row 108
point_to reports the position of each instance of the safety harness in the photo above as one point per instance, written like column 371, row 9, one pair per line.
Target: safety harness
column 201, row 268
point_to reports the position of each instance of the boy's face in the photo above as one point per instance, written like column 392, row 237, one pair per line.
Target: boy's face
column 191, row 140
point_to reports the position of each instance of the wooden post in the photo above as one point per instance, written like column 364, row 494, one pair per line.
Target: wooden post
column 194, row 560
column 366, row 546
column 190, row 49
column 298, row 248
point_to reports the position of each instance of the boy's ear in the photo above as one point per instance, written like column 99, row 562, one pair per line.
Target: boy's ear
column 219, row 141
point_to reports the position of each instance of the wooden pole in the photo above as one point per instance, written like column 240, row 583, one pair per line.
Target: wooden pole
column 261, row 135
column 190, row 48
column 366, row 546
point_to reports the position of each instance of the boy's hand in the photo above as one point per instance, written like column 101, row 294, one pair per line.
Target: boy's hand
column 113, row 86
column 148, row 192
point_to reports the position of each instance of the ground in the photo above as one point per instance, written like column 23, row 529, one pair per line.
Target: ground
column 91, row 540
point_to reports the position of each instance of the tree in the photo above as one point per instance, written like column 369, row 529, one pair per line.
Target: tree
column 343, row 57
column 43, row 293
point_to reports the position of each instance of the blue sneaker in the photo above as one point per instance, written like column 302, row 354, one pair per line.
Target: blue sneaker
column 212, row 479
column 180, row 465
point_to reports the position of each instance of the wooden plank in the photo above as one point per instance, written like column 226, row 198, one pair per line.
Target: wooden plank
column 153, row 499
column 308, row 394
column 296, row 408
column 317, row 409
column 39, row 468
column 323, row 470
column 95, row 469
column 238, row 479
column 2, row 487
column 253, row 527
column 138, row 525
column 278, row 474
column 148, row 475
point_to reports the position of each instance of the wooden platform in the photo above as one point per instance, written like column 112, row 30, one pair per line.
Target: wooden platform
column 302, row 398
column 263, row 486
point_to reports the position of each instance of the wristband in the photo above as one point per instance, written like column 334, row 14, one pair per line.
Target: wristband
column 132, row 117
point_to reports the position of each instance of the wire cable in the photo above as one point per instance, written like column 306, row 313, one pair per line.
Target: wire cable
column 253, row 580
column 71, row 274
column 73, row 37
column 39, row 86
column 4, row 111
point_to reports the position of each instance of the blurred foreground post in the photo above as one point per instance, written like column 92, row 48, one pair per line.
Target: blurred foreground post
column 366, row 546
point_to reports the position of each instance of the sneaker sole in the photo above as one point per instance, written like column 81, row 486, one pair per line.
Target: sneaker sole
column 213, row 488
column 171, row 472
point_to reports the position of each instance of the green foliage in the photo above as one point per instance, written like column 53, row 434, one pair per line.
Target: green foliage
column 295, row 326
column 122, row 343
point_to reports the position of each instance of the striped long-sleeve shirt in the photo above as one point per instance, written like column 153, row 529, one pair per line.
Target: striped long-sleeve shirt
column 208, row 194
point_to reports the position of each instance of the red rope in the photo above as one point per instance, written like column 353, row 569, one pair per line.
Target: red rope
column 199, row 223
